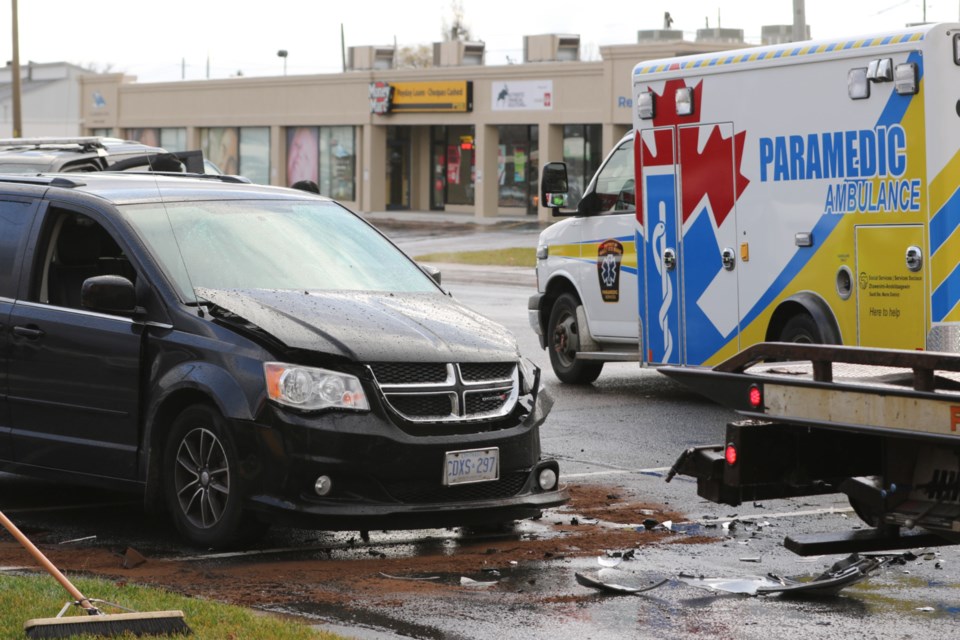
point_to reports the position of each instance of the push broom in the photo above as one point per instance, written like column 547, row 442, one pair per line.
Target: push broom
column 96, row 622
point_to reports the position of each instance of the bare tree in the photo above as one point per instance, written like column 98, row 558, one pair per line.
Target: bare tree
column 414, row 56
column 456, row 28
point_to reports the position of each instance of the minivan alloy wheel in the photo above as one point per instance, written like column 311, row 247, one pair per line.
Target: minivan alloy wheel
column 202, row 478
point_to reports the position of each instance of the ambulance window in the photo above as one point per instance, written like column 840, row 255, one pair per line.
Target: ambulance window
column 615, row 182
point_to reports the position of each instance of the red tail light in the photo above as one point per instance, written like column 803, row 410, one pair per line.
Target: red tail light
column 755, row 397
column 730, row 454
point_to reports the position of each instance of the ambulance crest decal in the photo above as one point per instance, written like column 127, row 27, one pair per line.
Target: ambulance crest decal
column 609, row 257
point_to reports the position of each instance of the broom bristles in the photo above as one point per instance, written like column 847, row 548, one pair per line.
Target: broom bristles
column 150, row 623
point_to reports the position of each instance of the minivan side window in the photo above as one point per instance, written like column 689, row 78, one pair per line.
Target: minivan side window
column 615, row 182
column 77, row 248
column 15, row 219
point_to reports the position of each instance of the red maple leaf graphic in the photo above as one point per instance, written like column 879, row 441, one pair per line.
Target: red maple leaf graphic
column 713, row 172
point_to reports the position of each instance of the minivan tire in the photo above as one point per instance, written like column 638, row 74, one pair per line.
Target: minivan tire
column 201, row 481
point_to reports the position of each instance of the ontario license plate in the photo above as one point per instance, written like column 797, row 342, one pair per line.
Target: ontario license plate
column 474, row 465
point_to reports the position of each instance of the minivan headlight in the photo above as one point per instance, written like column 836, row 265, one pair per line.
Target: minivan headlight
column 310, row 388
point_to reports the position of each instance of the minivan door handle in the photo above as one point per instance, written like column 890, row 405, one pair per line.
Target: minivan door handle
column 31, row 332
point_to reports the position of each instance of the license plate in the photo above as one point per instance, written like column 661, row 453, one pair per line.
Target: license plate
column 474, row 465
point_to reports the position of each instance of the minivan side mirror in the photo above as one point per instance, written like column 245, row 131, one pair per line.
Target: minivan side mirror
column 109, row 294
column 554, row 186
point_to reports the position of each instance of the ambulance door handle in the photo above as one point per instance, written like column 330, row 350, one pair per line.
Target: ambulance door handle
column 669, row 259
column 914, row 258
column 729, row 258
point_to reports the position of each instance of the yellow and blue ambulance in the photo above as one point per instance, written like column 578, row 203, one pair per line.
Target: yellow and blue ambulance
column 802, row 192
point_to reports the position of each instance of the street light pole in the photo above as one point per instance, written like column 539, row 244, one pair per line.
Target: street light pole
column 283, row 54
column 15, row 71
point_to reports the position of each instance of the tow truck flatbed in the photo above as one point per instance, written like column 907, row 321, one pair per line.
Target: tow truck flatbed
column 878, row 425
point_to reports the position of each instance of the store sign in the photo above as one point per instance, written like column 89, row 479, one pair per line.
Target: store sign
column 433, row 97
column 380, row 97
column 528, row 95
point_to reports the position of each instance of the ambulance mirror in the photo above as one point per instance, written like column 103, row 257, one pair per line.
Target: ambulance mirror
column 858, row 88
column 905, row 79
column 553, row 185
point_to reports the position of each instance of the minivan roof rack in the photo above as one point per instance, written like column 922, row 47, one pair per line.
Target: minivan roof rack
column 53, row 181
column 84, row 142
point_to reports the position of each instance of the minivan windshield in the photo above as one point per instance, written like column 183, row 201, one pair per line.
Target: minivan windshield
column 271, row 244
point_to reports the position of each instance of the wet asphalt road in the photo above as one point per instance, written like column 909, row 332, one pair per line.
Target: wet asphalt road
column 622, row 431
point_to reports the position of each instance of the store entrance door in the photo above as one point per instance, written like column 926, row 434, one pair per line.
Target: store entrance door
column 398, row 168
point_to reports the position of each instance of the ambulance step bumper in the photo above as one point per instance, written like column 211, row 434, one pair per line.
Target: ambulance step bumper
column 609, row 356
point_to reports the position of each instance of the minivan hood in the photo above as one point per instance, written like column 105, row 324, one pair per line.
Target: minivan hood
column 371, row 326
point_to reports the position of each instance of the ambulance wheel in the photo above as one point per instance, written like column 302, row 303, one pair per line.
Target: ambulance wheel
column 563, row 342
column 801, row 328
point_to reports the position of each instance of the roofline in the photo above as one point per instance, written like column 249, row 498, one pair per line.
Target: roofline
column 790, row 50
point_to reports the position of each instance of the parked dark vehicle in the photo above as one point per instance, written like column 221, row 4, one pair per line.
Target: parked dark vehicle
column 94, row 153
column 246, row 355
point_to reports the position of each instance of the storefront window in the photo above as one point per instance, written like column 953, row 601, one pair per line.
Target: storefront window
column 255, row 154
column 103, row 133
column 170, row 138
column 583, row 154
column 325, row 155
column 337, row 163
column 461, row 169
column 517, row 166
column 173, row 138
column 147, row 136
column 303, row 159
column 241, row 151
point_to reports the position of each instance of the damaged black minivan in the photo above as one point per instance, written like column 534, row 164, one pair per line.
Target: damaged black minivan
column 246, row 355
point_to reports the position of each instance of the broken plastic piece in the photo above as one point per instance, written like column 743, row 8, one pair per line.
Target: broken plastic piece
column 470, row 582
column 841, row 575
column 614, row 581
column 606, row 561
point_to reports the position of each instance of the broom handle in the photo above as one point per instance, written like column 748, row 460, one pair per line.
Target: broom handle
column 45, row 563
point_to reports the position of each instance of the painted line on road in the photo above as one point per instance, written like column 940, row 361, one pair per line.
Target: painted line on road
column 616, row 472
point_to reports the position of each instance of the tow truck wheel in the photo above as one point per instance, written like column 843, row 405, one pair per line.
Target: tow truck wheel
column 563, row 337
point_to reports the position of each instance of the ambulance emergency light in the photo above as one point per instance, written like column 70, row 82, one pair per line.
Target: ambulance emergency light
column 646, row 109
column 905, row 79
column 685, row 101
column 858, row 87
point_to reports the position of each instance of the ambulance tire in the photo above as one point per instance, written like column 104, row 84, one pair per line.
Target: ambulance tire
column 563, row 344
column 801, row 328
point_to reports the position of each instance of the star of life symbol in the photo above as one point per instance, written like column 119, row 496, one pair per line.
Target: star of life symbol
column 609, row 271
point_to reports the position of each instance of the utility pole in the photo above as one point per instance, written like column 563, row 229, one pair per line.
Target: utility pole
column 799, row 21
column 15, row 71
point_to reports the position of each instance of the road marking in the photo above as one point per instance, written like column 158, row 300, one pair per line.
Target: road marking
column 615, row 472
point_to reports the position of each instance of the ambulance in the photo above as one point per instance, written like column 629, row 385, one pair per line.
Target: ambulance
column 802, row 192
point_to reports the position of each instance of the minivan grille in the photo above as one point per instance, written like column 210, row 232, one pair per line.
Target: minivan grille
column 448, row 392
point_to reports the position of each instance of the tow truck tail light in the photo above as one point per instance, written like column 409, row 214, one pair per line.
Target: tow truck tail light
column 730, row 454
column 755, row 397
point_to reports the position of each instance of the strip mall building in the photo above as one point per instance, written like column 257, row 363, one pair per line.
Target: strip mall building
column 459, row 136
